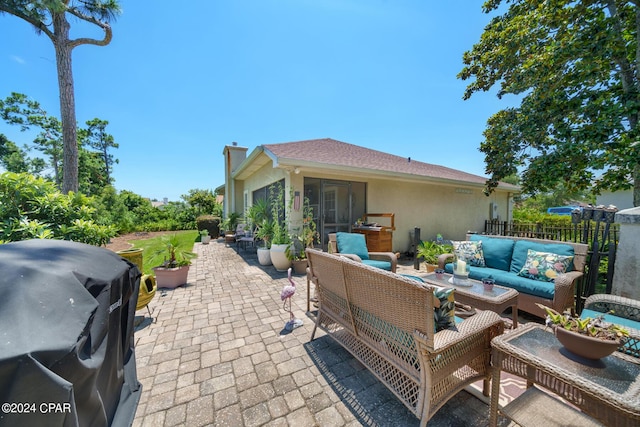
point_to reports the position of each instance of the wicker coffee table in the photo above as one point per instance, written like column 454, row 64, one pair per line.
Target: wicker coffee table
column 496, row 300
column 607, row 389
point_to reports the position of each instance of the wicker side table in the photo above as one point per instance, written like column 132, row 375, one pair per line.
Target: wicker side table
column 607, row 389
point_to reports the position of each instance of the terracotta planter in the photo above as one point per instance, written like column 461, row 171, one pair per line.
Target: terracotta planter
column 264, row 256
column 171, row 277
column 430, row 267
column 279, row 257
column 584, row 345
column 300, row 266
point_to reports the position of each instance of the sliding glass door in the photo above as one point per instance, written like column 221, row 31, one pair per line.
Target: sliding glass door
column 336, row 204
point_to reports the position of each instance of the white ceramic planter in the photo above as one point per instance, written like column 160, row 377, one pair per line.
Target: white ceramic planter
column 279, row 257
column 264, row 256
column 205, row 239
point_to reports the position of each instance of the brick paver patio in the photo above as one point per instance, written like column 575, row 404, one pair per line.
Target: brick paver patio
column 218, row 355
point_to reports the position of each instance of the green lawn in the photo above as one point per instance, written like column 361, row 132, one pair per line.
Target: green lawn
column 150, row 248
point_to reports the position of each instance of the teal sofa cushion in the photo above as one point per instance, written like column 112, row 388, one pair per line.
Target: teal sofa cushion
column 526, row 286
column 510, row 280
column 521, row 249
column 497, row 252
column 353, row 243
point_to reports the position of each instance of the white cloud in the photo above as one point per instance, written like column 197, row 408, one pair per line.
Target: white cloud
column 18, row 59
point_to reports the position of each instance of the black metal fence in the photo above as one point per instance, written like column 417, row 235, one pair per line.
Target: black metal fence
column 593, row 226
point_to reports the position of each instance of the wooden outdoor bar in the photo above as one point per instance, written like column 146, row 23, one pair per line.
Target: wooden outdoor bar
column 378, row 237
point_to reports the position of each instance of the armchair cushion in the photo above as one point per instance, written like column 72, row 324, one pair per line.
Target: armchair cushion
column 384, row 265
column 353, row 243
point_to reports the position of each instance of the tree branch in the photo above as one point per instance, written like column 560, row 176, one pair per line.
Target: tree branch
column 108, row 34
column 40, row 26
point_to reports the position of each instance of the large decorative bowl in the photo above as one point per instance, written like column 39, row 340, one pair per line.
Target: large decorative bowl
column 584, row 345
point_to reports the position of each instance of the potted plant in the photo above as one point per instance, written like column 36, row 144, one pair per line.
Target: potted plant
column 204, row 237
column 280, row 238
column 300, row 241
column 591, row 338
column 430, row 251
column 229, row 225
column 256, row 214
column 174, row 270
column 264, row 232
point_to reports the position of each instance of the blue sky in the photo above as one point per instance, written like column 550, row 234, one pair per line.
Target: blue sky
column 177, row 84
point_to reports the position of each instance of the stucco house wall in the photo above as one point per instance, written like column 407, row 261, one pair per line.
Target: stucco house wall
column 435, row 205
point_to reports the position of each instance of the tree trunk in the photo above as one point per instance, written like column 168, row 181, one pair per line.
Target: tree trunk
column 67, row 102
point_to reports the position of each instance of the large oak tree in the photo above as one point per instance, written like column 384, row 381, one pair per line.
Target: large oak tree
column 51, row 18
column 574, row 65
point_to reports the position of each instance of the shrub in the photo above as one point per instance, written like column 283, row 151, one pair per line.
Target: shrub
column 32, row 207
column 210, row 223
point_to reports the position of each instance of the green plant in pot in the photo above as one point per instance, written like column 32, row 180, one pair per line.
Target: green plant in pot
column 592, row 338
column 256, row 214
column 204, row 237
column 175, row 268
column 430, row 251
column 280, row 214
column 306, row 238
column 264, row 232
column 229, row 225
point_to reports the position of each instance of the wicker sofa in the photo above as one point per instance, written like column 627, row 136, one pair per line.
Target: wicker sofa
column 505, row 256
column 387, row 322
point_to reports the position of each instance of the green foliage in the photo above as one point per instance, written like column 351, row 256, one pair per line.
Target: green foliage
column 175, row 250
column 595, row 327
column 94, row 167
column 155, row 251
column 304, row 238
column 570, row 63
column 265, row 232
column 430, row 251
column 33, row 208
column 280, row 214
column 209, row 223
column 230, row 223
column 203, row 202
column 96, row 137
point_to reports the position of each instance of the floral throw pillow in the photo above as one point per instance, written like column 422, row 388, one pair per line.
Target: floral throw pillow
column 544, row 266
column 471, row 252
column 444, row 316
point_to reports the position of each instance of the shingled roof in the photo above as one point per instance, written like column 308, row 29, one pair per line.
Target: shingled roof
column 329, row 152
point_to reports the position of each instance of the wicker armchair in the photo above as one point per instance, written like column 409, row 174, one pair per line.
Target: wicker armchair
column 376, row 257
column 386, row 321
column 626, row 313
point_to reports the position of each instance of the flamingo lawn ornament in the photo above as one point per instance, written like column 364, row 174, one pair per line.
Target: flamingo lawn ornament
column 285, row 295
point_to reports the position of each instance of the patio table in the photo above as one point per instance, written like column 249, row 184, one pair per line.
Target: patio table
column 607, row 389
column 497, row 300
